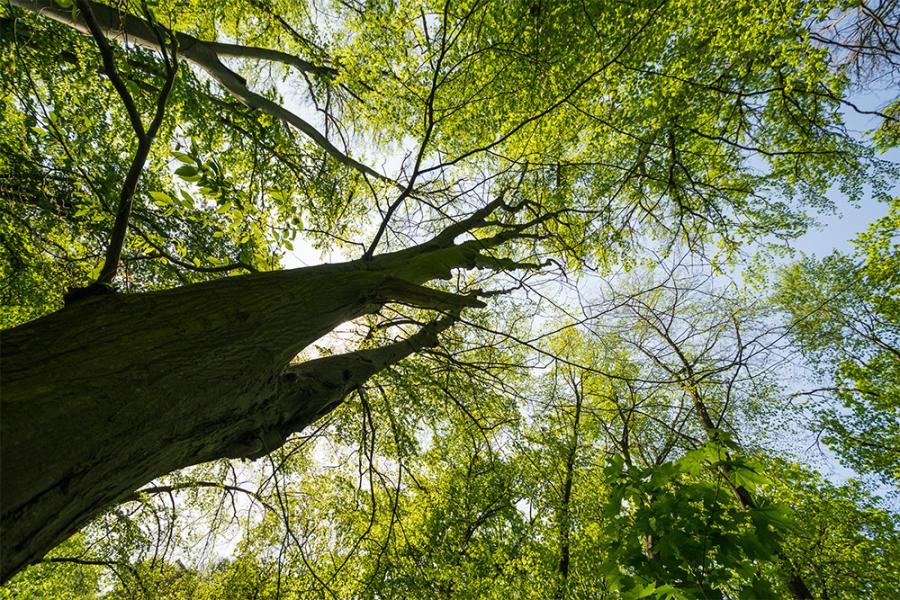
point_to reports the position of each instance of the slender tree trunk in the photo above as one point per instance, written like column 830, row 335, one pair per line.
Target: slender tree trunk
column 791, row 576
column 564, row 516
column 688, row 380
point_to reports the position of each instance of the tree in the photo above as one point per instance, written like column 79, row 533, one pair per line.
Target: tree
column 844, row 312
column 531, row 134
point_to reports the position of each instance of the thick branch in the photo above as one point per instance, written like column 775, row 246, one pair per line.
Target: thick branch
column 312, row 389
column 255, row 52
column 203, row 54
column 400, row 291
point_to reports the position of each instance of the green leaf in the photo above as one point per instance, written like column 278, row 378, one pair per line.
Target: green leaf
column 185, row 158
column 188, row 173
column 161, row 198
column 187, row 199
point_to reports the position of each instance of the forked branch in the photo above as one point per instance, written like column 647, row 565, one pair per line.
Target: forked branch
column 145, row 136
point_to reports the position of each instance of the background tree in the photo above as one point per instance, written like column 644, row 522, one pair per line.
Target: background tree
column 844, row 314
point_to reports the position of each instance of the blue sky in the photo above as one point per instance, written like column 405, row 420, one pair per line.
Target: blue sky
column 839, row 229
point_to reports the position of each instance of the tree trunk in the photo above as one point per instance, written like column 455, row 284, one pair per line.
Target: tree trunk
column 114, row 391
column 564, row 512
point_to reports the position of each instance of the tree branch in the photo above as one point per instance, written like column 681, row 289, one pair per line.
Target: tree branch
column 203, row 54
column 240, row 51
column 314, row 388
column 145, row 140
column 109, row 66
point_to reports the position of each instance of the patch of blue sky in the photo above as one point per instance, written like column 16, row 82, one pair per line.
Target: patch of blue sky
column 837, row 230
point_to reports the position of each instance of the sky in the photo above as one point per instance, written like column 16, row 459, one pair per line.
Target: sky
column 837, row 230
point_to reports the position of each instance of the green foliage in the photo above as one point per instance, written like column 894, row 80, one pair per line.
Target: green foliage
column 842, row 531
column 680, row 533
column 845, row 316
column 603, row 442
column 695, row 133
column 224, row 191
column 63, row 580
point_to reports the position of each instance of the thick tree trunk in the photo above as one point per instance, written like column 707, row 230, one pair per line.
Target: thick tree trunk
column 112, row 392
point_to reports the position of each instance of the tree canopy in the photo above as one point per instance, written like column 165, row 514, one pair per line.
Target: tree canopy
column 558, row 345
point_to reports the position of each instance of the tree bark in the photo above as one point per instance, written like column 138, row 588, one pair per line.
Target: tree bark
column 114, row 391
column 564, row 513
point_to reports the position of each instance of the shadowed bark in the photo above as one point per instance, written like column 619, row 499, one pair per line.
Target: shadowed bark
column 114, row 391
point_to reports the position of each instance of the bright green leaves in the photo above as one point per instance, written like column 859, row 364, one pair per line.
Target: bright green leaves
column 841, row 531
column 705, row 123
column 162, row 199
column 62, row 580
column 188, row 173
column 679, row 531
column 685, row 123
column 66, row 128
